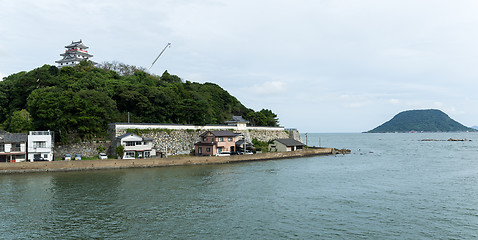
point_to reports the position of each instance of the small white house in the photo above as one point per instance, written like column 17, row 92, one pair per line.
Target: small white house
column 40, row 145
column 136, row 146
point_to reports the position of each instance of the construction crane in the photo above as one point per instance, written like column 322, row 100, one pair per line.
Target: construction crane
column 164, row 49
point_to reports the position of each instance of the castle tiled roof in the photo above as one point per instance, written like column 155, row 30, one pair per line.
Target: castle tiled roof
column 78, row 44
column 237, row 119
column 220, row 133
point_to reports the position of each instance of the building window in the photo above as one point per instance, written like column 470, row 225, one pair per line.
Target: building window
column 230, row 139
column 2, row 147
column 221, row 139
column 204, row 139
column 130, row 154
column 129, row 144
column 147, row 154
column 41, row 144
column 200, row 150
column 16, row 147
column 45, row 156
column 208, row 149
column 138, row 143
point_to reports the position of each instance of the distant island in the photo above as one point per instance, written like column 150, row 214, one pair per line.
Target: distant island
column 430, row 120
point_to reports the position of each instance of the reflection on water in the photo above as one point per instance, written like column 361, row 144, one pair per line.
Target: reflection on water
column 390, row 187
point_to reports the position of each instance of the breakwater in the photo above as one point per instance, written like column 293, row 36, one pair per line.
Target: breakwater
column 55, row 166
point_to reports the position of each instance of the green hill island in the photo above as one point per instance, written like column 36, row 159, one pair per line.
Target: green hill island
column 430, row 120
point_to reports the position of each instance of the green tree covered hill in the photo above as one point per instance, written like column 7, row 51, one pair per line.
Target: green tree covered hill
column 79, row 102
column 430, row 120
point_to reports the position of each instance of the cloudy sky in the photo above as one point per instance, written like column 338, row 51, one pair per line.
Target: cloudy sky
column 321, row 65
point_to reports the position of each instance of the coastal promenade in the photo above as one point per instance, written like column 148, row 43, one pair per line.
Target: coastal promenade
column 56, row 166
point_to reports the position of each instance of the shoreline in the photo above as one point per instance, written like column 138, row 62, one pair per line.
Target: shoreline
column 65, row 166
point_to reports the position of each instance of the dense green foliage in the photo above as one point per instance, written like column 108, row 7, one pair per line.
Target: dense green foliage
column 430, row 120
column 261, row 145
column 78, row 102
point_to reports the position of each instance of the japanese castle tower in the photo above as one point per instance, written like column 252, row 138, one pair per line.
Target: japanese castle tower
column 74, row 54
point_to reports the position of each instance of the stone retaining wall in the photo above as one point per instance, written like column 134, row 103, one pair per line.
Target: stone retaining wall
column 175, row 142
column 86, row 149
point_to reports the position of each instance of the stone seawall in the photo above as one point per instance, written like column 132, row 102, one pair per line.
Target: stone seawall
column 55, row 166
column 175, row 142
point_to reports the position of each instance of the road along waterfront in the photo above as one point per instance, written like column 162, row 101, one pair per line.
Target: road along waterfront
column 55, row 166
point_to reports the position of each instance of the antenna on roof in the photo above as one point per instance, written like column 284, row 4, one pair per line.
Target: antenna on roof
column 164, row 49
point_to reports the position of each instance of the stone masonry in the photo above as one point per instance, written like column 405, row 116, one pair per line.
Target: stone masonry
column 175, row 142
column 172, row 139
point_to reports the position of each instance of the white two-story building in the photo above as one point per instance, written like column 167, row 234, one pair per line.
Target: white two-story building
column 136, row 146
column 40, row 146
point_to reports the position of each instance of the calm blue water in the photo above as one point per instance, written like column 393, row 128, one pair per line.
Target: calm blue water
column 392, row 186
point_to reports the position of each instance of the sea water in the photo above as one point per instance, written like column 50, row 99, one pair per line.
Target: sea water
column 392, row 186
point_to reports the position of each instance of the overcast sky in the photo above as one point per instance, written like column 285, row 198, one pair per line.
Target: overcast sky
column 321, row 65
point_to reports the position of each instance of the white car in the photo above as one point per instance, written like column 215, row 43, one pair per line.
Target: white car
column 103, row 156
column 223, row 154
column 247, row 152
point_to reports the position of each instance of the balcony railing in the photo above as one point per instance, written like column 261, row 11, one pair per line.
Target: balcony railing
column 40, row 133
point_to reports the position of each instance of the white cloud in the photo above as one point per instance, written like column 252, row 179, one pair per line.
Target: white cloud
column 268, row 88
column 394, row 101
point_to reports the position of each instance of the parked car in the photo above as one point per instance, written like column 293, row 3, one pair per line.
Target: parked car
column 103, row 156
column 38, row 158
column 242, row 153
column 77, row 156
column 224, row 154
column 67, row 157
